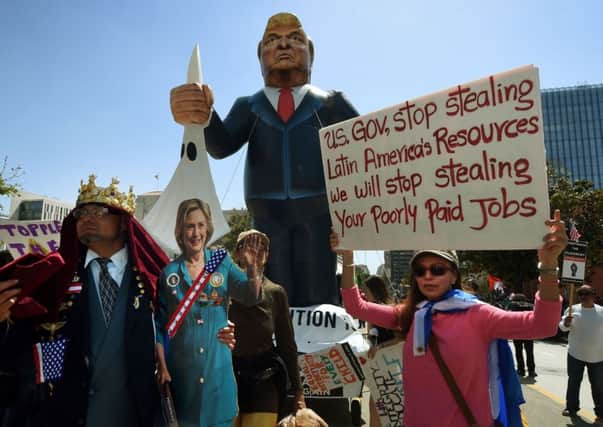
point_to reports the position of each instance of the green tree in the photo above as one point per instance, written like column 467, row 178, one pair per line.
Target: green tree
column 514, row 267
column 8, row 176
column 581, row 204
column 239, row 220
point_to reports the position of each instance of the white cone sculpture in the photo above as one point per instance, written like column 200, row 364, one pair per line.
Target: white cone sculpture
column 192, row 179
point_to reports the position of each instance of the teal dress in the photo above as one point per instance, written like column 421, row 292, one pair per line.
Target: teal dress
column 203, row 383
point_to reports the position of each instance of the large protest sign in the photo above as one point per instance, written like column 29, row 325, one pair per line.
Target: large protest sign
column 23, row 237
column 333, row 372
column 463, row 168
column 383, row 376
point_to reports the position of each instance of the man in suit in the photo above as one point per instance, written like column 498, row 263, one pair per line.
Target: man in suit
column 284, row 181
column 99, row 306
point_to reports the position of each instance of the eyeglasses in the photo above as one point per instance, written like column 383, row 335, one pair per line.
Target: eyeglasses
column 92, row 210
column 585, row 294
column 435, row 270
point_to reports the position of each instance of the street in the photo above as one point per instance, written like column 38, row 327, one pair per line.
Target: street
column 545, row 395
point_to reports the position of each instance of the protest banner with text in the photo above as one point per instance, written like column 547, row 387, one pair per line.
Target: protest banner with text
column 383, row 375
column 332, row 372
column 463, row 168
column 23, row 237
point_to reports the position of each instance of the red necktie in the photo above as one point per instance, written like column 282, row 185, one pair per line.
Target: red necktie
column 285, row 107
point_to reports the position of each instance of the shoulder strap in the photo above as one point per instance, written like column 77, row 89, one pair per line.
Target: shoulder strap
column 452, row 386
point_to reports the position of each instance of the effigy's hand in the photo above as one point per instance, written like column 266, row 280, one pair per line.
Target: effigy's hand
column 8, row 297
column 191, row 103
column 163, row 374
column 555, row 241
column 226, row 335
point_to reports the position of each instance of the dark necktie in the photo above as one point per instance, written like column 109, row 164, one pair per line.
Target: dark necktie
column 108, row 289
column 286, row 107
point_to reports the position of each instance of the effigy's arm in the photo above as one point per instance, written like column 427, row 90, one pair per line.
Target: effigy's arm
column 223, row 138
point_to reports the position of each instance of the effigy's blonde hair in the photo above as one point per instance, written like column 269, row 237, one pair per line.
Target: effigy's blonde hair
column 284, row 19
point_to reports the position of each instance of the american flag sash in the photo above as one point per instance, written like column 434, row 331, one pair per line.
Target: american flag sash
column 193, row 293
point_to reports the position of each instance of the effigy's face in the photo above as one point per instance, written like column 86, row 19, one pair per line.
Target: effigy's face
column 284, row 48
column 194, row 234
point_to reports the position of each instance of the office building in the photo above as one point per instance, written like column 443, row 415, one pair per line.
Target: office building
column 573, row 131
column 35, row 207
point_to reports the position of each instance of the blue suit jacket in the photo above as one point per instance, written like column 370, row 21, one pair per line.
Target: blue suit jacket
column 283, row 159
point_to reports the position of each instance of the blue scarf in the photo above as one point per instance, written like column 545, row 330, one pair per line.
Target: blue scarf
column 504, row 388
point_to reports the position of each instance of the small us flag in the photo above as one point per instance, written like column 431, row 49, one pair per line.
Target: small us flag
column 574, row 234
column 48, row 358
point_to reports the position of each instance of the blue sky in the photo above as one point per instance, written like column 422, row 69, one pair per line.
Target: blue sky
column 81, row 78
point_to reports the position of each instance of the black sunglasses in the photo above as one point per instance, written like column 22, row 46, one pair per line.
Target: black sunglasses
column 435, row 270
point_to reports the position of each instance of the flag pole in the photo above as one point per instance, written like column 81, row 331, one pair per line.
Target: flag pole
column 571, row 298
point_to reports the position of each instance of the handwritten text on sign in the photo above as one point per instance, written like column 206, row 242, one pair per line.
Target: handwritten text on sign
column 383, row 374
column 22, row 237
column 463, row 168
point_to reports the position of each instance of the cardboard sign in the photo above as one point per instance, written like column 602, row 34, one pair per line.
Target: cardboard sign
column 463, row 168
column 574, row 262
column 318, row 327
column 21, row 237
column 383, row 376
column 333, row 372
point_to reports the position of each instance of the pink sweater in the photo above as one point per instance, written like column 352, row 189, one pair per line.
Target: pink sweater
column 464, row 338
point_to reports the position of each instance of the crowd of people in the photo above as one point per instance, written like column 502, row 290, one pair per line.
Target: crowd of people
column 123, row 312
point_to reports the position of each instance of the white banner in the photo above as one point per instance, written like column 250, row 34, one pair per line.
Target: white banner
column 463, row 168
column 318, row 327
column 23, row 237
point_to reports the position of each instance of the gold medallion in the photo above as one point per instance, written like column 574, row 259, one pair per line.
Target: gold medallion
column 216, row 280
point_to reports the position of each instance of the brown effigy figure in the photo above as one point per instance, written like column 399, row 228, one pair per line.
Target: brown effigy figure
column 284, row 181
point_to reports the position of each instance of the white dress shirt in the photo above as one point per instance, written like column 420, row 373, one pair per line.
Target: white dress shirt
column 116, row 268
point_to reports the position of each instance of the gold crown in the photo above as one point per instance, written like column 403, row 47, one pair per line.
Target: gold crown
column 111, row 196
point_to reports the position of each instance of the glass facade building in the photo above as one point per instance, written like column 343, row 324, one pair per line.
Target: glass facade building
column 573, row 131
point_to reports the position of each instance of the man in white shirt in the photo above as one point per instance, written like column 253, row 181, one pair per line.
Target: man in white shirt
column 584, row 322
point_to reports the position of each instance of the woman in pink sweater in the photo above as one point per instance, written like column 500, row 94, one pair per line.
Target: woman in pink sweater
column 466, row 332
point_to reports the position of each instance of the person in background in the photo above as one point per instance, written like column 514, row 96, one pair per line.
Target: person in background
column 584, row 321
column 265, row 370
column 193, row 292
column 519, row 302
column 445, row 326
column 470, row 286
